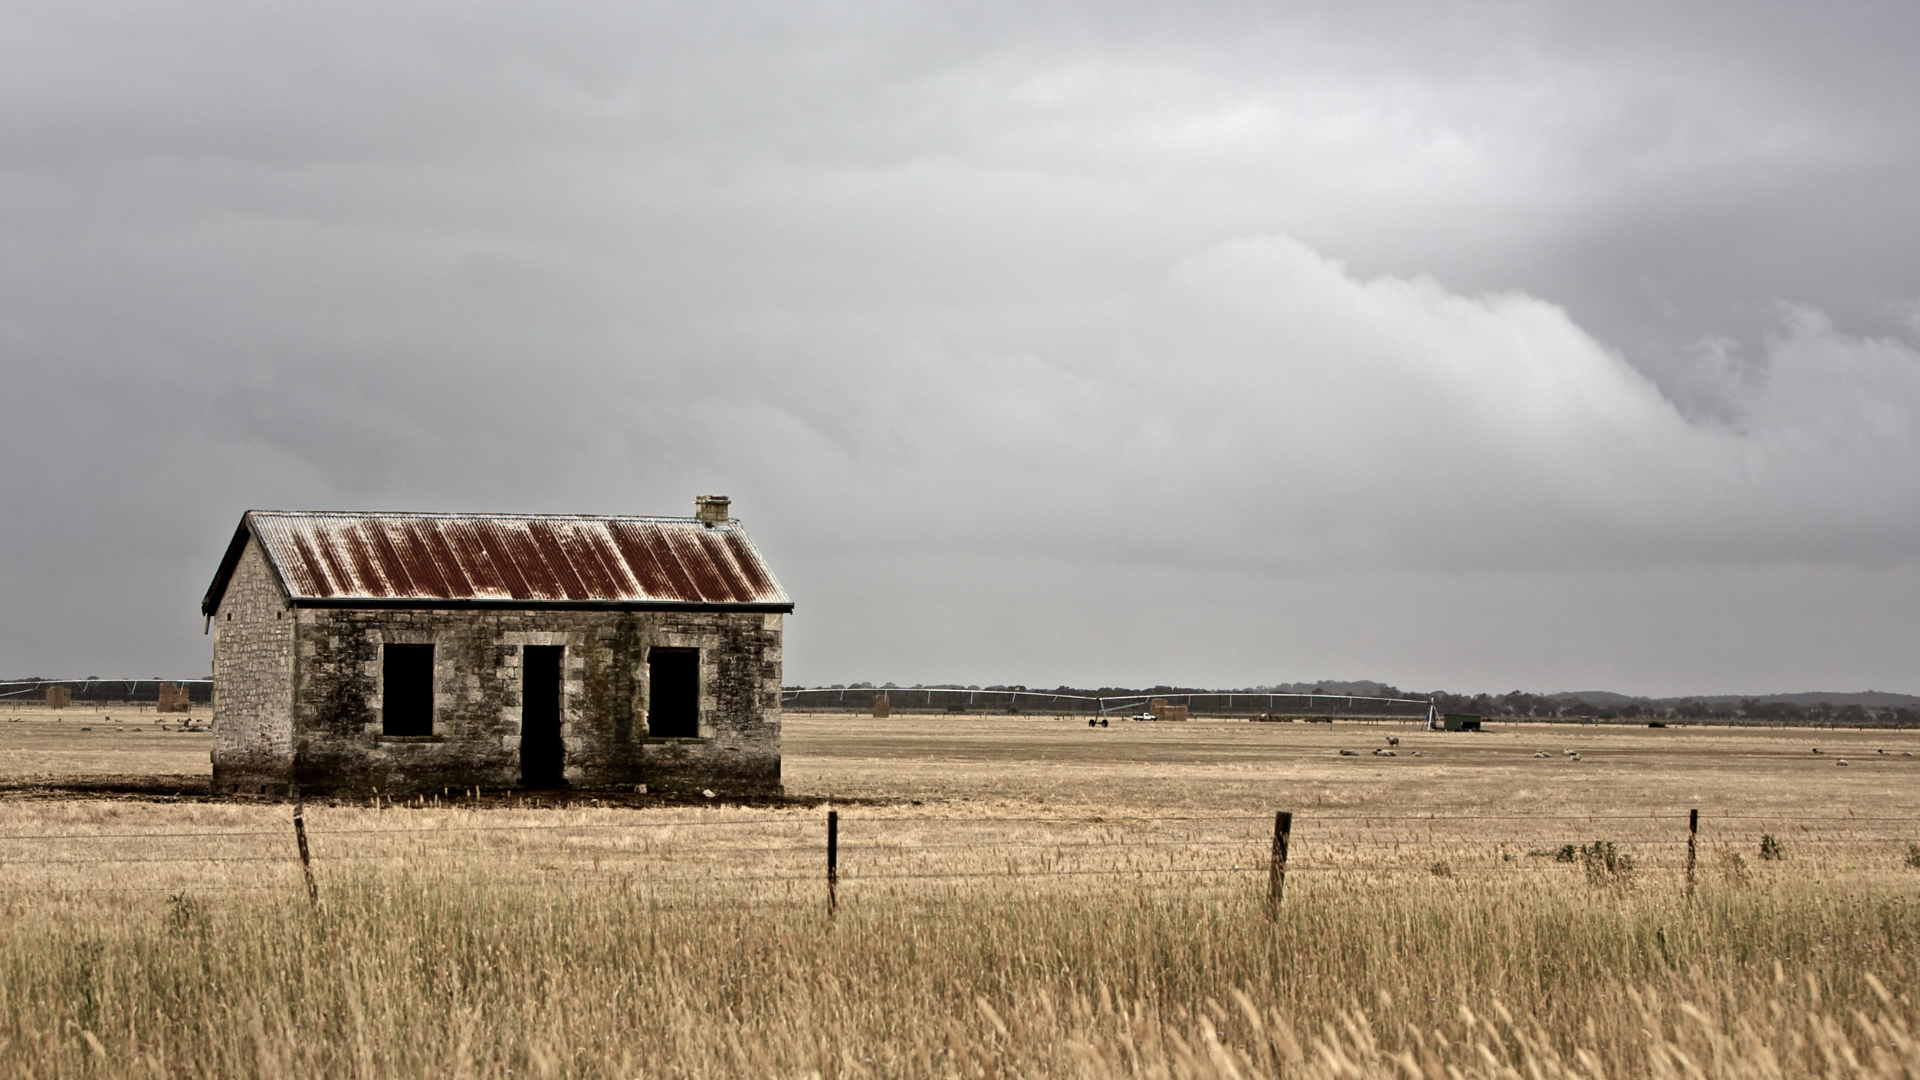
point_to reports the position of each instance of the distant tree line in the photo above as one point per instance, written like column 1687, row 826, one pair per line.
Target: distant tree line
column 1521, row 705
column 1333, row 700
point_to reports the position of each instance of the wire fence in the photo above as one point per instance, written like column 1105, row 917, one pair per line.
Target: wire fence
column 701, row 849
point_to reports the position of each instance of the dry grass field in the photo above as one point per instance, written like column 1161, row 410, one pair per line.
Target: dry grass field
column 1220, row 765
column 1018, row 897
column 37, row 743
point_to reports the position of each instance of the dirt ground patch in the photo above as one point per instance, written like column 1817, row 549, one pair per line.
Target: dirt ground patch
column 129, row 746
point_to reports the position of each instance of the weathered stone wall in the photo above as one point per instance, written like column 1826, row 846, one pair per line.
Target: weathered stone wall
column 740, row 665
column 253, row 653
column 477, row 681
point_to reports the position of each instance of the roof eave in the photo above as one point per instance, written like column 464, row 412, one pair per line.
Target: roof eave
column 229, row 562
column 237, row 547
column 765, row 568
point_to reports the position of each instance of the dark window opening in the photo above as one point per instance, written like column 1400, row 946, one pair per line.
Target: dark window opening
column 406, row 701
column 673, row 693
column 542, row 754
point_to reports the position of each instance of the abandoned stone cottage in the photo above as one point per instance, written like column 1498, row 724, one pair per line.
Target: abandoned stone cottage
column 415, row 652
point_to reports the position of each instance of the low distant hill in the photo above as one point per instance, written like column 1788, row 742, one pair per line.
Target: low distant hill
column 1342, row 687
column 1869, row 699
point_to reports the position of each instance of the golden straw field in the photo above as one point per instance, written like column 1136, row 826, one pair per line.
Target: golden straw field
column 1016, row 897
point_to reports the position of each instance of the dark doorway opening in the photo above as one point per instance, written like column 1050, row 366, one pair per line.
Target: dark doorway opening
column 406, row 690
column 673, row 693
column 542, row 755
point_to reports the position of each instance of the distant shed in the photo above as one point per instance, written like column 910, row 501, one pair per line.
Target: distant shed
column 413, row 652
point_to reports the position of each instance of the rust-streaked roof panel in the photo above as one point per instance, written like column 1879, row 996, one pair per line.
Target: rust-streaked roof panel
column 507, row 560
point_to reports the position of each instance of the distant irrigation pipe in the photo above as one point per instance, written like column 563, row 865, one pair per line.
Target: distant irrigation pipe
column 934, row 698
column 99, row 690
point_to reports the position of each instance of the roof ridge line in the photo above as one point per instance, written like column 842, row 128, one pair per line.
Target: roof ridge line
column 465, row 514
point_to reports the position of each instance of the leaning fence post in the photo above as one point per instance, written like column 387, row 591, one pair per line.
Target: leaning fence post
column 1277, row 868
column 1693, row 840
column 833, row 861
column 306, row 860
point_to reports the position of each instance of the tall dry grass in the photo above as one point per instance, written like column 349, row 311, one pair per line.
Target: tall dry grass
column 443, row 967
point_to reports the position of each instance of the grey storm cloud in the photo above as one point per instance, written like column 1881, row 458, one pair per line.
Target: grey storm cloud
column 1480, row 346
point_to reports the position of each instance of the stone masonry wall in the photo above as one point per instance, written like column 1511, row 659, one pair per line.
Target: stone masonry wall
column 477, row 682
column 253, row 653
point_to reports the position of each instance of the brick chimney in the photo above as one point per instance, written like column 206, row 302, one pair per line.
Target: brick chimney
column 711, row 510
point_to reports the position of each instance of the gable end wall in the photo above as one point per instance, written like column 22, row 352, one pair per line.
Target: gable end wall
column 253, row 651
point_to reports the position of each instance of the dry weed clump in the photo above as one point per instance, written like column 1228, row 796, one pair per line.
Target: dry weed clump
column 451, row 970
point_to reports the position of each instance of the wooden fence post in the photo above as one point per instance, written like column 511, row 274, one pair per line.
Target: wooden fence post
column 306, row 859
column 833, row 861
column 1277, row 868
column 1693, row 840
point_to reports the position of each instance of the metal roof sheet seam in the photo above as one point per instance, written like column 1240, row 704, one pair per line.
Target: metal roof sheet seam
column 535, row 559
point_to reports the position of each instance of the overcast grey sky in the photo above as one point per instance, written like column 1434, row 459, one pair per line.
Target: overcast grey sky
column 1478, row 346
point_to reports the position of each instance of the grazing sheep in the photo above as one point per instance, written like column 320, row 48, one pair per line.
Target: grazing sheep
column 1541, row 753
column 1841, row 761
column 1571, row 756
column 1394, row 740
column 1569, row 753
column 1383, row 753
column 1416, row 753
column 1816, row 749
column 1349, row 753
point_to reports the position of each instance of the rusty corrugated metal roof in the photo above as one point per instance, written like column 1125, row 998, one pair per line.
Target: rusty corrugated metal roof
column 505, row 560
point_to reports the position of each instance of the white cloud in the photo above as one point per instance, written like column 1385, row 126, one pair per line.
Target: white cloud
column 1314, row 420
